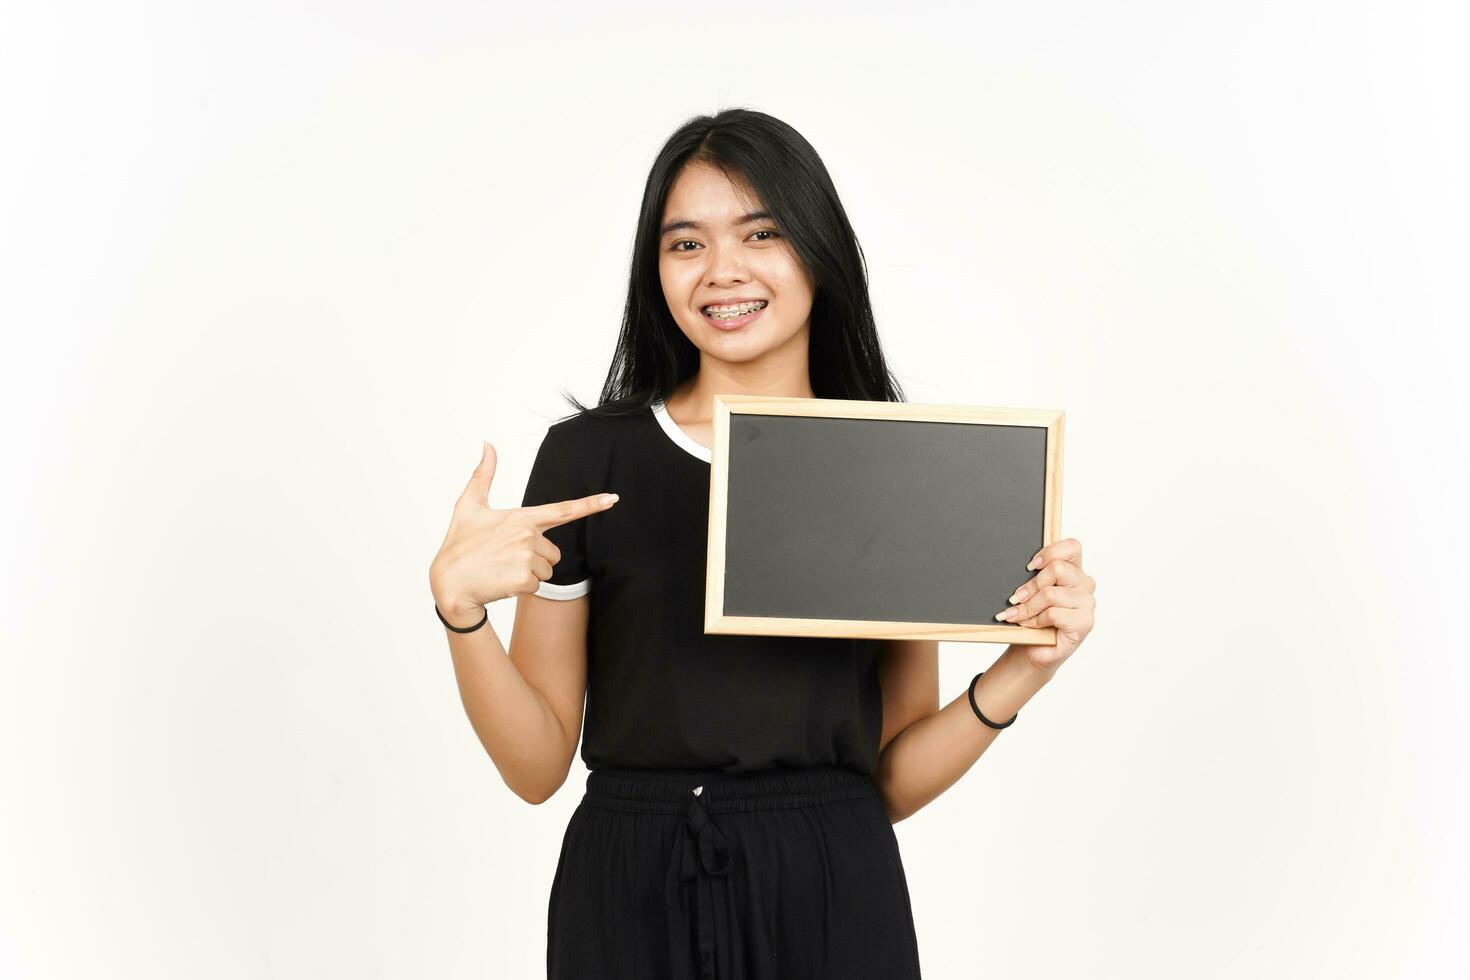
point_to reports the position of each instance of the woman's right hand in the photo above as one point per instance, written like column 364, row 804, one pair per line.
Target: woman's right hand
column 494, row 553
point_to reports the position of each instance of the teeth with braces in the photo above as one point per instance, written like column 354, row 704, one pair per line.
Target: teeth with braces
column 728, row 313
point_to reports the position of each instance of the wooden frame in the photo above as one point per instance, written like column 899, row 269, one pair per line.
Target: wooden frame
column 715, row 621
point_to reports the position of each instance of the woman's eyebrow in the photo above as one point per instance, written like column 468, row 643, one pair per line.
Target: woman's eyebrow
column 743, row 220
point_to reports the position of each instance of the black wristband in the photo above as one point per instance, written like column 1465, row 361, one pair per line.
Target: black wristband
column 976, row 708
column 461, row 629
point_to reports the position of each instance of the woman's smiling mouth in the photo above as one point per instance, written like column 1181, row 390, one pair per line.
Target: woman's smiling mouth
column 729, row 316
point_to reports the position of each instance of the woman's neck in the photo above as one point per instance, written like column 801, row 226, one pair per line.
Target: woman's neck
column 693, row 401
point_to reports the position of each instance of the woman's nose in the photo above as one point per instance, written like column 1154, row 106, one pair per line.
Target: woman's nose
column 726, row 265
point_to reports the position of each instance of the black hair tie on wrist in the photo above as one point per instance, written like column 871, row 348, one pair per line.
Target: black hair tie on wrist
column 976, row 708
column 461, row 629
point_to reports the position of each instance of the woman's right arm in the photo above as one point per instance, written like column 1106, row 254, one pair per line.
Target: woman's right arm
column 526, row 707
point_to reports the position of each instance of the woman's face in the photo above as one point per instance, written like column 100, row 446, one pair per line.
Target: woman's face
column 725, row 251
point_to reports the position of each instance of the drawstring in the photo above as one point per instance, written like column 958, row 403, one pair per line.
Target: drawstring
column 699, row 846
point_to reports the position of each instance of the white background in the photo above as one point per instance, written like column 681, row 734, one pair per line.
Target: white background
column 271, row 271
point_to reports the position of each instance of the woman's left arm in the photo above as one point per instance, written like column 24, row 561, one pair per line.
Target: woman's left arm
column 925, row 748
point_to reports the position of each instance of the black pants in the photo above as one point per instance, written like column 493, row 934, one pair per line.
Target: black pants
column 782, row 874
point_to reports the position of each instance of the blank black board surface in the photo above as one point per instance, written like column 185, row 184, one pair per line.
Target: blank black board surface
column 831, row 517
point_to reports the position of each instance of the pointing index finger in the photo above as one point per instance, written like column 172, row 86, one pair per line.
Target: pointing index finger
column 558, row 512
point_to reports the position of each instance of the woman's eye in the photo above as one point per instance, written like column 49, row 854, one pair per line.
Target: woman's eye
column 764, row 231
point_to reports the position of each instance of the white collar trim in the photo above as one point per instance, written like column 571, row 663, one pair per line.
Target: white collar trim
column 678, row 435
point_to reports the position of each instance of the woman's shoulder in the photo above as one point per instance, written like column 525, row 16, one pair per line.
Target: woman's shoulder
column 586, row 432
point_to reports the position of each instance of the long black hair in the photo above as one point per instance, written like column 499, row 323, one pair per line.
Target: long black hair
column 759, row 151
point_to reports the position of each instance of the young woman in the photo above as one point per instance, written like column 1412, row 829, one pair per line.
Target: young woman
column 737, row 819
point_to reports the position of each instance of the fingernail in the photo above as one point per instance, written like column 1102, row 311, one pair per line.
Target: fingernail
column 1015, row 597
column 1031, row 565
column 1003, row 614
column 609, row 498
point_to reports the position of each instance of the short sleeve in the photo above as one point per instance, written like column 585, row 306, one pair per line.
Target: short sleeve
column 554, row 478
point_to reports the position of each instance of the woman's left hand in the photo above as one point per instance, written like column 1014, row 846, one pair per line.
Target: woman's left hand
column 1059, row 595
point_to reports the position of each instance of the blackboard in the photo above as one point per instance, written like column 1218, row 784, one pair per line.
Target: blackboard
column 832, row 517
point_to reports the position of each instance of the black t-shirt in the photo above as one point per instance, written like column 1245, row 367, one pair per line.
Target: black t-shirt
column 660, row 692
